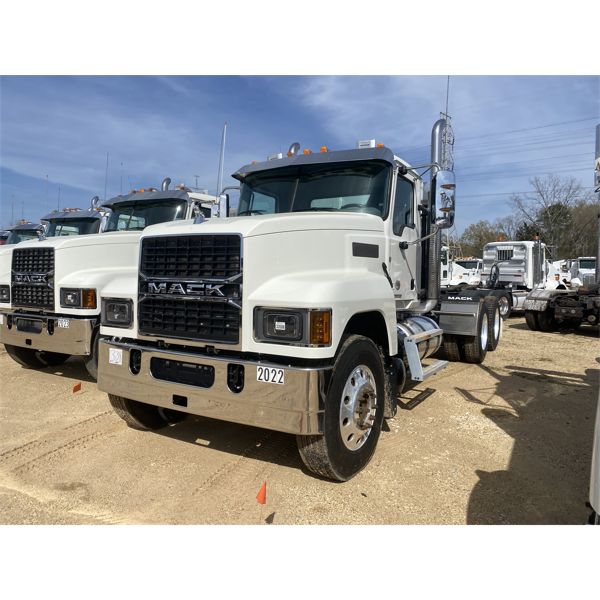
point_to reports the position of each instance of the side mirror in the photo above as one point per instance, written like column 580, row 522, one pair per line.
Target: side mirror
column 444, row 198
column 220, row 209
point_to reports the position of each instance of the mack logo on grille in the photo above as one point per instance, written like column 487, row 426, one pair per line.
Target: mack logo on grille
column 31, row 278
column 201, row 290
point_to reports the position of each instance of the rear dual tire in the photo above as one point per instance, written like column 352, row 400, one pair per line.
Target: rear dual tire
column 473, row 349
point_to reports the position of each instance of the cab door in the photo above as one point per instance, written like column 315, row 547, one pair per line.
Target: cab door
column 403, row 227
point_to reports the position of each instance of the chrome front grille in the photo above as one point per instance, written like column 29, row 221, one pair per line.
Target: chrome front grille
column 190, row 287
column 32, row 278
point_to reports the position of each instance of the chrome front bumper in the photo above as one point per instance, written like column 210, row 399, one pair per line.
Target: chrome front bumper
column 67, row 335
column 292, row 407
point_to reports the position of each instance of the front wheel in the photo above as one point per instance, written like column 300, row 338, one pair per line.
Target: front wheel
column 138, row 415
column 353, row 416
column 91, row 361
column 35, row 359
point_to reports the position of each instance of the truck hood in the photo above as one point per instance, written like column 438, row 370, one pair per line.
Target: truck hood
column 84, row 241
column 272, row 224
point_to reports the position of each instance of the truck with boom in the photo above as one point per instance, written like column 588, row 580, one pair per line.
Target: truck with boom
column 49, row 288
column 306, row 314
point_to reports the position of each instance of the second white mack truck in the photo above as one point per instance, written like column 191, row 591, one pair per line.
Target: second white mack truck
column 307, row 313
column 50, row 288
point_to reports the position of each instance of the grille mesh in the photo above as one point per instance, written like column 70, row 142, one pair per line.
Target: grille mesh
column 195, row 257
column 190, row 319
column 33, row 261
column 191, row 256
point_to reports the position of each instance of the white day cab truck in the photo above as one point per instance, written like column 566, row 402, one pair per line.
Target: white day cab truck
column 305, row 314
column 50, row 288
column 459, row 272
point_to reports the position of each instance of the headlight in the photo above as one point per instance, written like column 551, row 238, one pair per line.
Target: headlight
column 116, row 312
column 302, row 327
column 4, row 293
column 78, row 298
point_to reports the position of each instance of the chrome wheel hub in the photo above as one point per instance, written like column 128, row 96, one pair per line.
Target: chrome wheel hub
column 358, row 407
column 503, row 302
column 483, row 336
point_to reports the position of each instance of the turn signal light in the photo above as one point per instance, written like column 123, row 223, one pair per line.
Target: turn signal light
column 306, row 151
column 88, row 298
column 381, row 145
column 323, row 148
column 320, row 327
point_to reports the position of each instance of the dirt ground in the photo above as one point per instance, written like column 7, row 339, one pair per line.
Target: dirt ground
column 508, row 441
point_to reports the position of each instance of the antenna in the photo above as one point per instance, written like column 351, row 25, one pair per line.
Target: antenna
column 196, row 176
column 58, row 199
column 447, row 161
column 222, row 157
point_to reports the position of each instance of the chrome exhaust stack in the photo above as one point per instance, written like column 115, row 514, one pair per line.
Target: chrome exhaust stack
column 166, row 182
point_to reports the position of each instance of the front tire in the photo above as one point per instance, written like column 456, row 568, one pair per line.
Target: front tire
column 91, row 361
column 353, row 416
column 138, row 415
column 35, row 359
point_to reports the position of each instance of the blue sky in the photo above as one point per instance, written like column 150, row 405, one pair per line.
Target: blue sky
column 507, row 130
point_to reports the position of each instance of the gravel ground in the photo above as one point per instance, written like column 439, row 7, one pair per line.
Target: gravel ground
column 508, row 441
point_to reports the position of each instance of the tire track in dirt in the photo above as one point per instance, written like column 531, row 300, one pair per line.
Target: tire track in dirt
column 269, row 450
column 24, row 457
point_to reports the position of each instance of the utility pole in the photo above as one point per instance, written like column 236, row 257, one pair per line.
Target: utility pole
column 597, row 190
column 106, row 176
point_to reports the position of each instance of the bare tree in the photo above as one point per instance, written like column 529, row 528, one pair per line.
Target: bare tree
column 550, row 208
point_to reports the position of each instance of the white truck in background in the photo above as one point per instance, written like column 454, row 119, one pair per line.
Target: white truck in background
column 50, row 287
column 307, row 313
column 22, row 232
column 459, row 271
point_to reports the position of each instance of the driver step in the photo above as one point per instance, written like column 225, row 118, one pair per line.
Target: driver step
column 411, row 347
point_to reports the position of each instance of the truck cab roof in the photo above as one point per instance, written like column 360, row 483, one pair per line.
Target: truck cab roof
column 333, row 156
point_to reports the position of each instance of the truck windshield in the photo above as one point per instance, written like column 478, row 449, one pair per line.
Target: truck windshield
column 467, row 264
column 62, row 227
column 21, row 236
column 348, row 187
column 135, row 216
column 587, row 263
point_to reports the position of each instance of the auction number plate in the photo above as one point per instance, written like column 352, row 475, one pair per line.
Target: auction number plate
column 63, row 323
column 270, row 375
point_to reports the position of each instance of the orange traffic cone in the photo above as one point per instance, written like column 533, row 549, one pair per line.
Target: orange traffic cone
column 77, row 387
column 261, row 497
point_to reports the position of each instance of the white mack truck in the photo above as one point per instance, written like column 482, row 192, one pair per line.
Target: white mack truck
column 50, row 288
column 459, row 272
column 305, row 314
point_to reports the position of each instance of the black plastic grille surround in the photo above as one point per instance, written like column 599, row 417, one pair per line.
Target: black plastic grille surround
column 182, row 372
column 31, row 263
column 191, row 256
column 214, row 317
